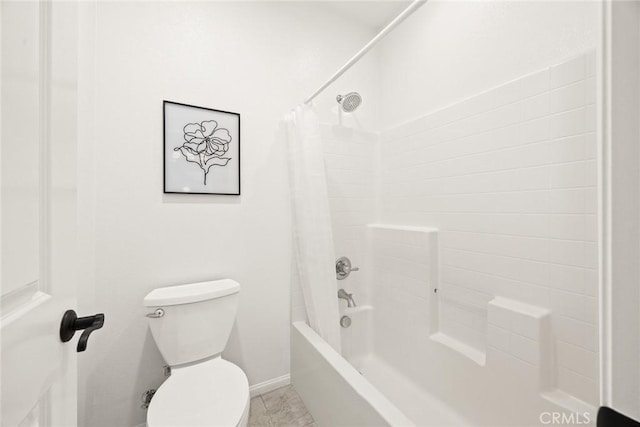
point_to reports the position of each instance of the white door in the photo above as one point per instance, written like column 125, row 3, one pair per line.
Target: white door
column 38, row 212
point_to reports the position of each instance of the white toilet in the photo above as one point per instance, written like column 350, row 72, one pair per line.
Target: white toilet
column 191, row 325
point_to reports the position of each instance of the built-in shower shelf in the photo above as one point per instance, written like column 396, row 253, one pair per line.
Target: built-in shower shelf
column 466, row 350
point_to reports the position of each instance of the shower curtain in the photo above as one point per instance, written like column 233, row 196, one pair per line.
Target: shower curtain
column 312, row 233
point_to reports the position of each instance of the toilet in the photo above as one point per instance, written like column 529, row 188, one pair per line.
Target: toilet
column 191, row 325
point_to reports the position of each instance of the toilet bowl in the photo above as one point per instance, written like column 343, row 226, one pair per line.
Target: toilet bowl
column 191, row 325
column 211, row 393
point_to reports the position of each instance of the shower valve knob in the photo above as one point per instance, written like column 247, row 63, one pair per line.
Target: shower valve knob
column 344, row 268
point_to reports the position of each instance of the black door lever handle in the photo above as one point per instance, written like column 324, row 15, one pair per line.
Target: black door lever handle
column 72, row 323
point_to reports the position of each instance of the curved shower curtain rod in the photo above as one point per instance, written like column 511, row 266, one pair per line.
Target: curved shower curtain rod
column 351, row 62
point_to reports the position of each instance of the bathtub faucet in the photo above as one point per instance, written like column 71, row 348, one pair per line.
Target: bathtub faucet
column 342, row 294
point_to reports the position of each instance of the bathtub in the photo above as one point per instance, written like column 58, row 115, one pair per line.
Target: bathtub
column 407, row 359
column 363, row 389
column 335, row 393
column 357, row 388
column 386, row 379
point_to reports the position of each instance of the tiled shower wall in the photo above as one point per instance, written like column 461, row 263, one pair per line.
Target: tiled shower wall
column 509, row 178
column 348, row 157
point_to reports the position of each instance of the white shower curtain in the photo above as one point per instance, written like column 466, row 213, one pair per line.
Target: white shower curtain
column 313, row 248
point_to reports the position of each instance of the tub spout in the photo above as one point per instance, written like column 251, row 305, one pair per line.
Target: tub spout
column 342, row 294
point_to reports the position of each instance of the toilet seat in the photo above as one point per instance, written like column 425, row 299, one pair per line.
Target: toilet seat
column 211, row 393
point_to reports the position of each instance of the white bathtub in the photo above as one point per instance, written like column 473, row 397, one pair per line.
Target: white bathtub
column 359, row 389
column 335, row 393
column 405, row 361
column 367, row 390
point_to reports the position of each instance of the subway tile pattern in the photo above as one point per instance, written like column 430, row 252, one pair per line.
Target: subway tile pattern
column 403, row 274
column 522, row 331
column 509, row 177
column 349, row 162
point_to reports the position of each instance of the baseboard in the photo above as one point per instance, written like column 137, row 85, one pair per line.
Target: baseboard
column 267, row 386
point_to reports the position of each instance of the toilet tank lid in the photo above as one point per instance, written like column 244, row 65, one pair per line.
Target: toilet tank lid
column 194, row 292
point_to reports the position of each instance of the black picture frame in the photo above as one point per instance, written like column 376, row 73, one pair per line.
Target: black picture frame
column 186, row 151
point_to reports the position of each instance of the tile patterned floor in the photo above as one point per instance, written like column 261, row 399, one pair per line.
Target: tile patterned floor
column 282, row 407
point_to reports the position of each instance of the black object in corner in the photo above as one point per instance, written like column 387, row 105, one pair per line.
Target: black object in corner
column 608, row 417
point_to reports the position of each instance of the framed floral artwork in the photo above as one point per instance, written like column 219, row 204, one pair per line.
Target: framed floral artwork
column 201, row 150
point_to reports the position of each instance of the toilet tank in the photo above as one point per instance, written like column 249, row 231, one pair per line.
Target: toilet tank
column 195, row 320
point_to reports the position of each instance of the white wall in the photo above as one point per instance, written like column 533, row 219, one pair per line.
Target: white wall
column 258, row 59
column 450, row 50
column 621, row 187
column 509, row 176
column 349, row 162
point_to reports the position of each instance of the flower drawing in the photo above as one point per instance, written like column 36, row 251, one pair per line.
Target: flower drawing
column 205, row 144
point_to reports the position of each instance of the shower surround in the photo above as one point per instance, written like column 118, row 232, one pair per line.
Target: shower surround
column 476, row 230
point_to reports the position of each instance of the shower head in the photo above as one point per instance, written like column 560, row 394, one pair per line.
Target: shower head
column 349, row 102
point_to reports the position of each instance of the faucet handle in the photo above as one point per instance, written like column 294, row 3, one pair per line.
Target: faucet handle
column 343, row 268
